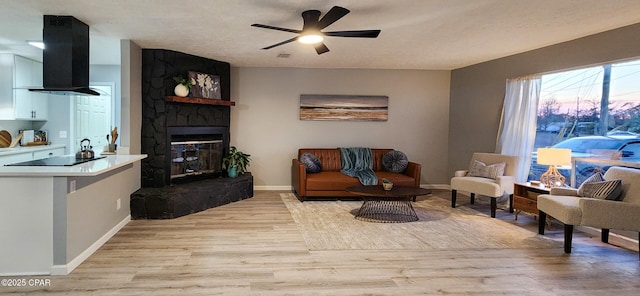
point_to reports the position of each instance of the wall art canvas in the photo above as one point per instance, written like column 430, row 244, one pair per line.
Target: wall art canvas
column 204, row 85
column 344, row 107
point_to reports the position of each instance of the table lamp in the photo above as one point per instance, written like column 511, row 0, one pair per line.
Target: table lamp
column 553, row 157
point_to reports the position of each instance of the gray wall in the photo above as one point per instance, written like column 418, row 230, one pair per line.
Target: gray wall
column 477, row 92
column 265, row 121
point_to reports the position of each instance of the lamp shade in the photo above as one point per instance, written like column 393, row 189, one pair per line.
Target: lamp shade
column 554, row 156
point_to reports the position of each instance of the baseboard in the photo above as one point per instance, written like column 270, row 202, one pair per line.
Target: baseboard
column 436, row 186
column 69, row 267
column 272, row 188
column 614, row 239
column 14, row 274
column 288, row 187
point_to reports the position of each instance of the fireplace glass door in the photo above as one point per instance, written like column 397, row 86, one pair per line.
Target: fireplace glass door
column 189, row 158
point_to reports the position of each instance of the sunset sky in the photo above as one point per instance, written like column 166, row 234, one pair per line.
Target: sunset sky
column 586, row 84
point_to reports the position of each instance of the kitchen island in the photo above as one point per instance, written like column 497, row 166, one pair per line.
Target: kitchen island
column 55, row 217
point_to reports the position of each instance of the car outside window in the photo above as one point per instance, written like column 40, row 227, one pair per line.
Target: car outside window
column 587, row 146
column 631, row 152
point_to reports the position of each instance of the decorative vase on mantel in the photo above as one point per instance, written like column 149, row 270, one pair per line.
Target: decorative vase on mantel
column 181, row 90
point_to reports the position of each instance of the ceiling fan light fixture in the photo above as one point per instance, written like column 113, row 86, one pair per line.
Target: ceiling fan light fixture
column 313, row 25
column 311, row 38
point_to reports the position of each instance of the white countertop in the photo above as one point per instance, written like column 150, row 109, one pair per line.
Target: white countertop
column 28, row 149
column 91, row 168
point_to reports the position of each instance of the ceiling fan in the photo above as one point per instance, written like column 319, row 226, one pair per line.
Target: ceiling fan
column 311, row 32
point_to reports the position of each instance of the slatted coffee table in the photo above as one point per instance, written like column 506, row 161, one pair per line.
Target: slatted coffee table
column 387, row 206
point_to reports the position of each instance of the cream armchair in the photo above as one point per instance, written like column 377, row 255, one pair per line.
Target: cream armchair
column 566, row 206
column 493, row 188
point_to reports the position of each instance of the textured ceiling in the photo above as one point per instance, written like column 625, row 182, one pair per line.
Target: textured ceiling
column 416, row 34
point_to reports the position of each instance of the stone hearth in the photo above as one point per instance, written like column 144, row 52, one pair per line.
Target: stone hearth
column 175, row 201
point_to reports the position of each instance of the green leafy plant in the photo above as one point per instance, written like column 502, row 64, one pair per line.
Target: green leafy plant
column 236, row 158
column 183, row 81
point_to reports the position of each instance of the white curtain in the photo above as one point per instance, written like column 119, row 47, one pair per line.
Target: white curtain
column 517, row 132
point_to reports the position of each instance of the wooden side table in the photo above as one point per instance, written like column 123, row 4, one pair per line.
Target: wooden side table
column 525, row 197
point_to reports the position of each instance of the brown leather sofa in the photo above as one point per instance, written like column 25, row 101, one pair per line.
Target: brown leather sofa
column 331, row 183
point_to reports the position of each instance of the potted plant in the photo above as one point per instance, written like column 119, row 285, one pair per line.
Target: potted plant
column 236, row 162
column 182, row 89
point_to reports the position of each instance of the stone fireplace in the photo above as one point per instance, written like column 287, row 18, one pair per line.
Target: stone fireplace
column 184, row 141
column 160, row 116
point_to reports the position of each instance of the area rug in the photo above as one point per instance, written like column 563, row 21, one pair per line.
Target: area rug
column 331, row 225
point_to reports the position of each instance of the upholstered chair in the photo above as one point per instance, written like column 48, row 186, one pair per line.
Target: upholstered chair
column 494, row 180
column 623, row 213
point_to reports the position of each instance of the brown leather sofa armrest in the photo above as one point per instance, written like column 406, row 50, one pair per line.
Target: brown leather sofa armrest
column 413, row 170
column 299, row 178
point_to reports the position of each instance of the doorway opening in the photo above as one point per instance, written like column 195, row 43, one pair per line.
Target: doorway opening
column 94, row 117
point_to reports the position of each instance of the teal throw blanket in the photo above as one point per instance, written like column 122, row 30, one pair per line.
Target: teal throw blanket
column 358, row 162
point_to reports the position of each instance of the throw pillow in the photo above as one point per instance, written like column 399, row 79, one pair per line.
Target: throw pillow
column 597, row 177
column 311, row 162
column 480, row 169
column 395, row 161
column 610, row 190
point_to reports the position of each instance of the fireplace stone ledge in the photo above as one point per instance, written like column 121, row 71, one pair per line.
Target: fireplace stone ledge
column 182, row 199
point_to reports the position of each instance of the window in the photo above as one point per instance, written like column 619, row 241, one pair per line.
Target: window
column 570, row 115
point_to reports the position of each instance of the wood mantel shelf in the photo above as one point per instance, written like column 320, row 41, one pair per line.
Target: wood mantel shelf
column 202, row 101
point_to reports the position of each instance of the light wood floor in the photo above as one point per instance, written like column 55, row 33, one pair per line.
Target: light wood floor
column 253, row 247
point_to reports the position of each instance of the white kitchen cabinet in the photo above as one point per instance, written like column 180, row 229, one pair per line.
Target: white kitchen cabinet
column 22, row 70
column 21, row 154
column 13, row 158
column 30, row 105
column 17, row 75
column 48, row 153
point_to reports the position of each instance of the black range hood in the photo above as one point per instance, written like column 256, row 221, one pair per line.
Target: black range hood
column 65, row 59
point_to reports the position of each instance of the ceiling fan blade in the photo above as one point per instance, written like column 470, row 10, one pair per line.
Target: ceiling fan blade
column 360, row 34
column 310, row 18
column 276, row 28
column 334, row 14
column 281, row 43
column 321, row 48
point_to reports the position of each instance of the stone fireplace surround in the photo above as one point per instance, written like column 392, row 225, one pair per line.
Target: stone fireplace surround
column 159, row 66
column 158, row 69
